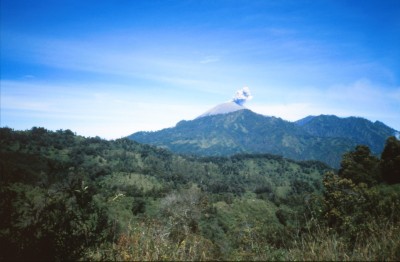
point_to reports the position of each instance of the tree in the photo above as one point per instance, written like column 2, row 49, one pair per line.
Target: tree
column 360, row 166
column 183, row 211
column 349, row 208
column 138, row 206
column 390, row 161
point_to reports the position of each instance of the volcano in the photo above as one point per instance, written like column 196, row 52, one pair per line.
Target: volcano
column 229, row 129
column 223, row 108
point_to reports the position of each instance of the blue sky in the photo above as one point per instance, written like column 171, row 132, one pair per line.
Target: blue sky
column 111, row 68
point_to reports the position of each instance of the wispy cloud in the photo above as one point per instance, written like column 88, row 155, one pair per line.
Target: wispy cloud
column 291, row 58
column 209, row 59
column 360, row 98
column 144, row 74
column 136, row 60
column 110, row 111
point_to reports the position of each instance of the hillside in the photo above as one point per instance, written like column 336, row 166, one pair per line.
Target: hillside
column 359, row 130
column 35, row 154
column 60, row 174
column 67, row 197
column 315, row 138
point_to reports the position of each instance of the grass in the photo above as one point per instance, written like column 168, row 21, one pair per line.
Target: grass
column 382, row 244
column 151, row 240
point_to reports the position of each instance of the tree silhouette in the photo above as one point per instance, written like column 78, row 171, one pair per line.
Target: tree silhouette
column 360, row 166
column 390, row 161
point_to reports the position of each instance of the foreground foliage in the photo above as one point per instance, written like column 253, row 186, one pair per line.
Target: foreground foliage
column 66, row 197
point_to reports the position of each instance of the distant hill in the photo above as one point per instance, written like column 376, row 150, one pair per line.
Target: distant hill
column 323, row 138
column 359, row 130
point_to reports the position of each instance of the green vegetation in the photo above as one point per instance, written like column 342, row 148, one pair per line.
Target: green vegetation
column 357, row 129
column 322, row 138
column 66, row 197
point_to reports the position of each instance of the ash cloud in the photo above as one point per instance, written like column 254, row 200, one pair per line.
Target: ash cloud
column 242, row 96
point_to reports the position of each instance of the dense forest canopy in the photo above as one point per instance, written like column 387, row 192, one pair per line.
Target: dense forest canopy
column 65, row 196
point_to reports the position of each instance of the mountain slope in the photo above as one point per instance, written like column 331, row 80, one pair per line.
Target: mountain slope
column 223, row 108
column 359, row 130
column 244, row 131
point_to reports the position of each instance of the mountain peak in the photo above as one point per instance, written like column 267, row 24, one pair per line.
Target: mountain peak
column 223, row 108
column 236, row 104
column 305, row 120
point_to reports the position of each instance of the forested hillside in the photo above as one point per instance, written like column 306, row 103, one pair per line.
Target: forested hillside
column 67, row 197
column 322, row 138
column 360, row 130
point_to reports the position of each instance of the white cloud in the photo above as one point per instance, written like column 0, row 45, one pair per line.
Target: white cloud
column 289, row 112
column 361, row 98
column 189, row 65
column 242, row 95
column 113, row 111
column 209, row 59
column 104, row 110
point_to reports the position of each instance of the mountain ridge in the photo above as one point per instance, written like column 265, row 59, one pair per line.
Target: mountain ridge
column 244, row 131
column 358, row 129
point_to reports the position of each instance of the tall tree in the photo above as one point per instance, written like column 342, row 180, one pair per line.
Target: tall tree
column 360, row 166
column 390, row 161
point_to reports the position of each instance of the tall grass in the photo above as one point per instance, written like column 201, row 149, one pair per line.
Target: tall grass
column 151, row 241
column 382, row 243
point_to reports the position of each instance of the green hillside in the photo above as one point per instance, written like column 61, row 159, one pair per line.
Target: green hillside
column 359, row 130
column 67, row 197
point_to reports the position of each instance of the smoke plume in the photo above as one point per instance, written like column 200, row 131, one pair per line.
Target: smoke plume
column 242, row 96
